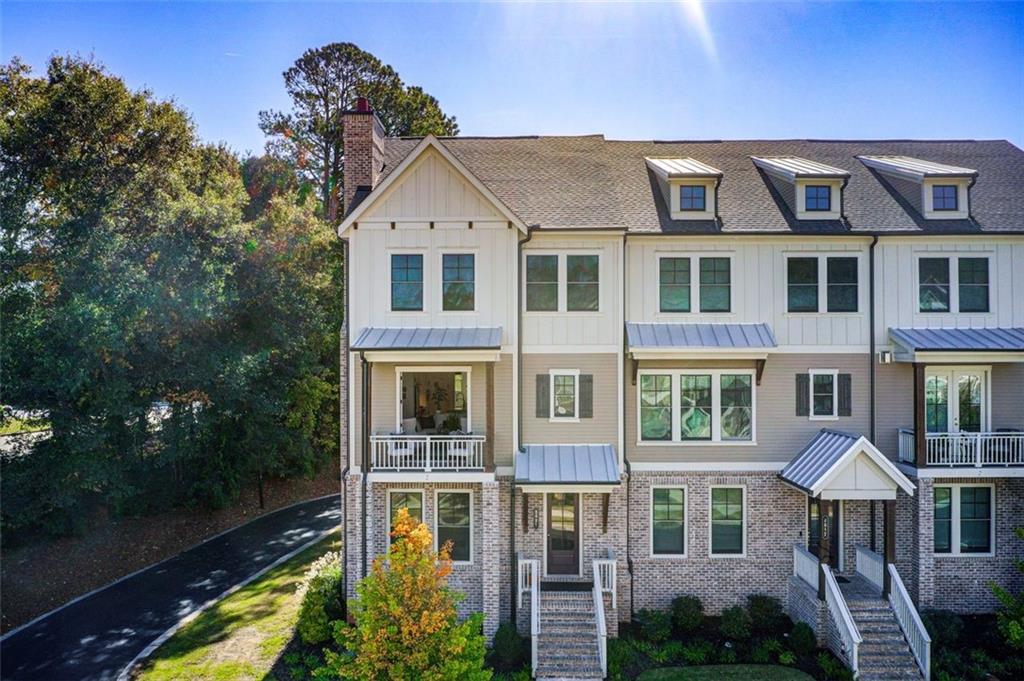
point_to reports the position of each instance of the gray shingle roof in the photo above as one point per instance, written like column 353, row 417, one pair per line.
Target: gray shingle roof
column 447, row 338
column 591, row 182
column 817, row 457
column 665, row 335
column 952, row 340
column 567, row 464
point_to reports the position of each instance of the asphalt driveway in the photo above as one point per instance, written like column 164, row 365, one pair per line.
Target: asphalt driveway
column 98, row 636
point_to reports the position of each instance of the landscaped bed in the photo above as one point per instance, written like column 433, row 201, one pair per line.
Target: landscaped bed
column 726, row 672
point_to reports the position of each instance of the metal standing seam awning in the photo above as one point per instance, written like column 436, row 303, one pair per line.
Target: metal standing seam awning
column 700, row 341
column 946, row 344
column 482, row 343
column 838, row 465
column 587, row 466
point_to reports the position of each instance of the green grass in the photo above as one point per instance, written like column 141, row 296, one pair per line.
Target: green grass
column 726, row 672
column 15, row 426
column 241, row 636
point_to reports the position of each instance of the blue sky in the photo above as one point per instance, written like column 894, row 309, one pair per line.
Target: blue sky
column 663, row 71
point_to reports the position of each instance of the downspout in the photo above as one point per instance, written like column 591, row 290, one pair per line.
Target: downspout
column 365, row 446
column 625, row 459
column 842, row 198
column 970, row 185
column 519, row 416
column 343, row 427
column 718, row 183
column 872, row 429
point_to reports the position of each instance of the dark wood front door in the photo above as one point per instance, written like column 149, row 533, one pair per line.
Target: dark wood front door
column 816, row 527
column 563, row 534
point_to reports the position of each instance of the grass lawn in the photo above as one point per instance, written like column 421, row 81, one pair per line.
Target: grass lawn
column 726, row 672
column 16, row 426
column 241, row 636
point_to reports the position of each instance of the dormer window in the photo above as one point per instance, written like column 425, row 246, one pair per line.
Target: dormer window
column 944, row 197
column 692, row 197
column 818, row 197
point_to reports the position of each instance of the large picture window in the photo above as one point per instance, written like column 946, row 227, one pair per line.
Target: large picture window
column 695, row 405
column 406, row 282
column 668, row 521
column 454, row 524
column 458, row 282
column 727, row 535
column 963, row 519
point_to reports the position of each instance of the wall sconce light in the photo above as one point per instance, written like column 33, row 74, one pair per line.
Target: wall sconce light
column 536, row 518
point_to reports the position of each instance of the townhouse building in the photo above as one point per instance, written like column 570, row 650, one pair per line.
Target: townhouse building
column 615, row 372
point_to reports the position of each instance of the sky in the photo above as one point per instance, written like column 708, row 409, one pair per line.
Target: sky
column 679, row 70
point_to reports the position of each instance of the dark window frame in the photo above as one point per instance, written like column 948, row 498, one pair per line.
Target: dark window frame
column 715, row 280
column 668, row 509
column 812, row 195
column 584, row 284
column 729, row 507
column 936, row 286
column 941, row 195
column 542, row 282
column 985, row 286
column 792, row 288
column 675, row 273
column 460, row 267
column 693, row 198
column 405, row 258
column 441, row 529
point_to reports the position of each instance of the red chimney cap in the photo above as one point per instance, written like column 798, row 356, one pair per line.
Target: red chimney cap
column 362, row 105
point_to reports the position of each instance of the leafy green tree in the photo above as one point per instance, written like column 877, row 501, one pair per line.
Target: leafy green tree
column 324, row 83
column 1011, row 616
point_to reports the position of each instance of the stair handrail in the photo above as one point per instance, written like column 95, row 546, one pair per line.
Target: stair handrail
column 602, row 627
column 910, row 622
column 842, row 618
column 606, row 568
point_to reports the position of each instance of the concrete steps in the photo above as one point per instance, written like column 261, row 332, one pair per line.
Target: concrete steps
column 884, row 653
column 567, row 645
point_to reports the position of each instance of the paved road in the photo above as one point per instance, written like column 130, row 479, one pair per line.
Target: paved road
column 96, row 637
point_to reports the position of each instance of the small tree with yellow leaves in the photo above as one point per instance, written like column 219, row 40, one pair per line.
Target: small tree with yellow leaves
column 406, row 623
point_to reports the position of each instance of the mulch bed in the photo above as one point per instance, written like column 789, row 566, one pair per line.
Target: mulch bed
column 39, row 577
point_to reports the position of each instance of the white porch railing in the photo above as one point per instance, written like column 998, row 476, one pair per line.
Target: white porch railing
column 427, row 452
column 805, row 565
column 604, row 571
column 602, row 627
column 965, row 449
column 910, row 622
column 848, row 634
column 529, row 583
column 871, row 566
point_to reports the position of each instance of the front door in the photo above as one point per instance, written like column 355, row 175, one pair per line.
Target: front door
column 563, row 534
column 816, row 525
column 955, row 401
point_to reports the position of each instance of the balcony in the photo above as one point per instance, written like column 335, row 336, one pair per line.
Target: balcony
column 427, row 453
column 962, row 450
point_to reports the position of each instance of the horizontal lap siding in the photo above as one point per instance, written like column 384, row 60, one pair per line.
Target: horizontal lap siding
column 894, row 394
column 1008, row 395
column 601, row 429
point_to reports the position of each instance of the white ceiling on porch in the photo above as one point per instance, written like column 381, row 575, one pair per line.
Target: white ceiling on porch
column 838, row 465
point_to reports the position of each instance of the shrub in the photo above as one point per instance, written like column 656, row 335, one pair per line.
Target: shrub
column 726, row 656
column 766, row 614
column 698, row 653
column 802, row 640
column 687, row 614
column 322, row 599
column 655, row 625
column 1011, row 615
column 833, row 669
column 735, row 623
column 766, row 651
column 623, row 659
column 507, row 651
column 943, row 626
column 786, row 657
column 671, row 651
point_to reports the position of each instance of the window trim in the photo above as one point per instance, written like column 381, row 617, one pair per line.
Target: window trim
column 441, row 252
column 703, row 198
column 694, row 258
column 669, row 256
column 953, row 260
column 563, row 282
column 823, row 258
column 954, row 534
column 686, row 523
column 404, row 490
column 437, row 518
column 828, row 188
column 716, row 407
column 745, row 522
column 575, row 373
column 700, row 298
column 834, row 416
column 423, row 293
column 956, row 197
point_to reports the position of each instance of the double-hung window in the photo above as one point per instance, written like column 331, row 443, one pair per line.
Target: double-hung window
column 944, row 286
column 582, row 285
column 802, row 284
column 542, row 283
column 454, row 524
column 806, row 289
column 933, row 275
column 963, row 519
column 715, row 282
column 972, row 284
column 695, row 405
column 673, row 284
column 407, row 282
column 563, row 282
column 410, row 501
column 944, row 197
column 668, row 521
column 824, row 398
column 458, row 282
column 564, row 394
column 727, row 518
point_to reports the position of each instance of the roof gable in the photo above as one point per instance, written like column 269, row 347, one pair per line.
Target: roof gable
column 837, row 465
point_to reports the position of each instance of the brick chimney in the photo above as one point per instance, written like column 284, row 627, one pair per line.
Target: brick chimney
column 364, row 150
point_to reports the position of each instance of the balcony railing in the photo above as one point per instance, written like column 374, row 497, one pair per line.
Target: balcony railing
column 965, row 449
column 427, row 452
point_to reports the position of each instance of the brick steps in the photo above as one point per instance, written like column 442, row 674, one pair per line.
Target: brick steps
column 884, row 653
column 567, row 645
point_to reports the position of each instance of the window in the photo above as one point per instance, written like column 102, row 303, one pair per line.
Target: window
column 823, row 394
column 714, row 285
column 818, row 197
column 842, row 284
column 655, row 407
column 410, row 501
column 691, row 197
column 727, row 536
column 802, row 284
column 936, row 404
column 459, row 398
column 973, row 284
column 406, row 282
column 695, row 401
column 668, row 521
column 458, row 282
column 934, row 284
column 695, row 406
column 674, row 284
column 581, row 283
column 542, row 283
column 454, row 524
column 963, row 519
column 564, row 396
column 944, row 197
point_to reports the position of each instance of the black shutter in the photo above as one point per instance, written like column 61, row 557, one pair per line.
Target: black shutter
column 845, row 395
column 803, row 394
column 586, row 396
column 543, row 396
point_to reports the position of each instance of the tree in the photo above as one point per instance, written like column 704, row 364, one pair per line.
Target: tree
column 406, row 624
column 1010, row 617
column 324, row 83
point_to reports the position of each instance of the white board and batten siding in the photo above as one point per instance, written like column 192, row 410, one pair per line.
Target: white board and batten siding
column 898, row 280
column 759, row 293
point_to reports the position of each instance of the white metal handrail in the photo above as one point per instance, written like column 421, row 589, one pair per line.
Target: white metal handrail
column 427, row 452
column 602, row 627
column 965, row 449
column 805, row 565
column 840, row 613
column 910, row 622
column 528, row 571
column 604, row 569
column 871, row 566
